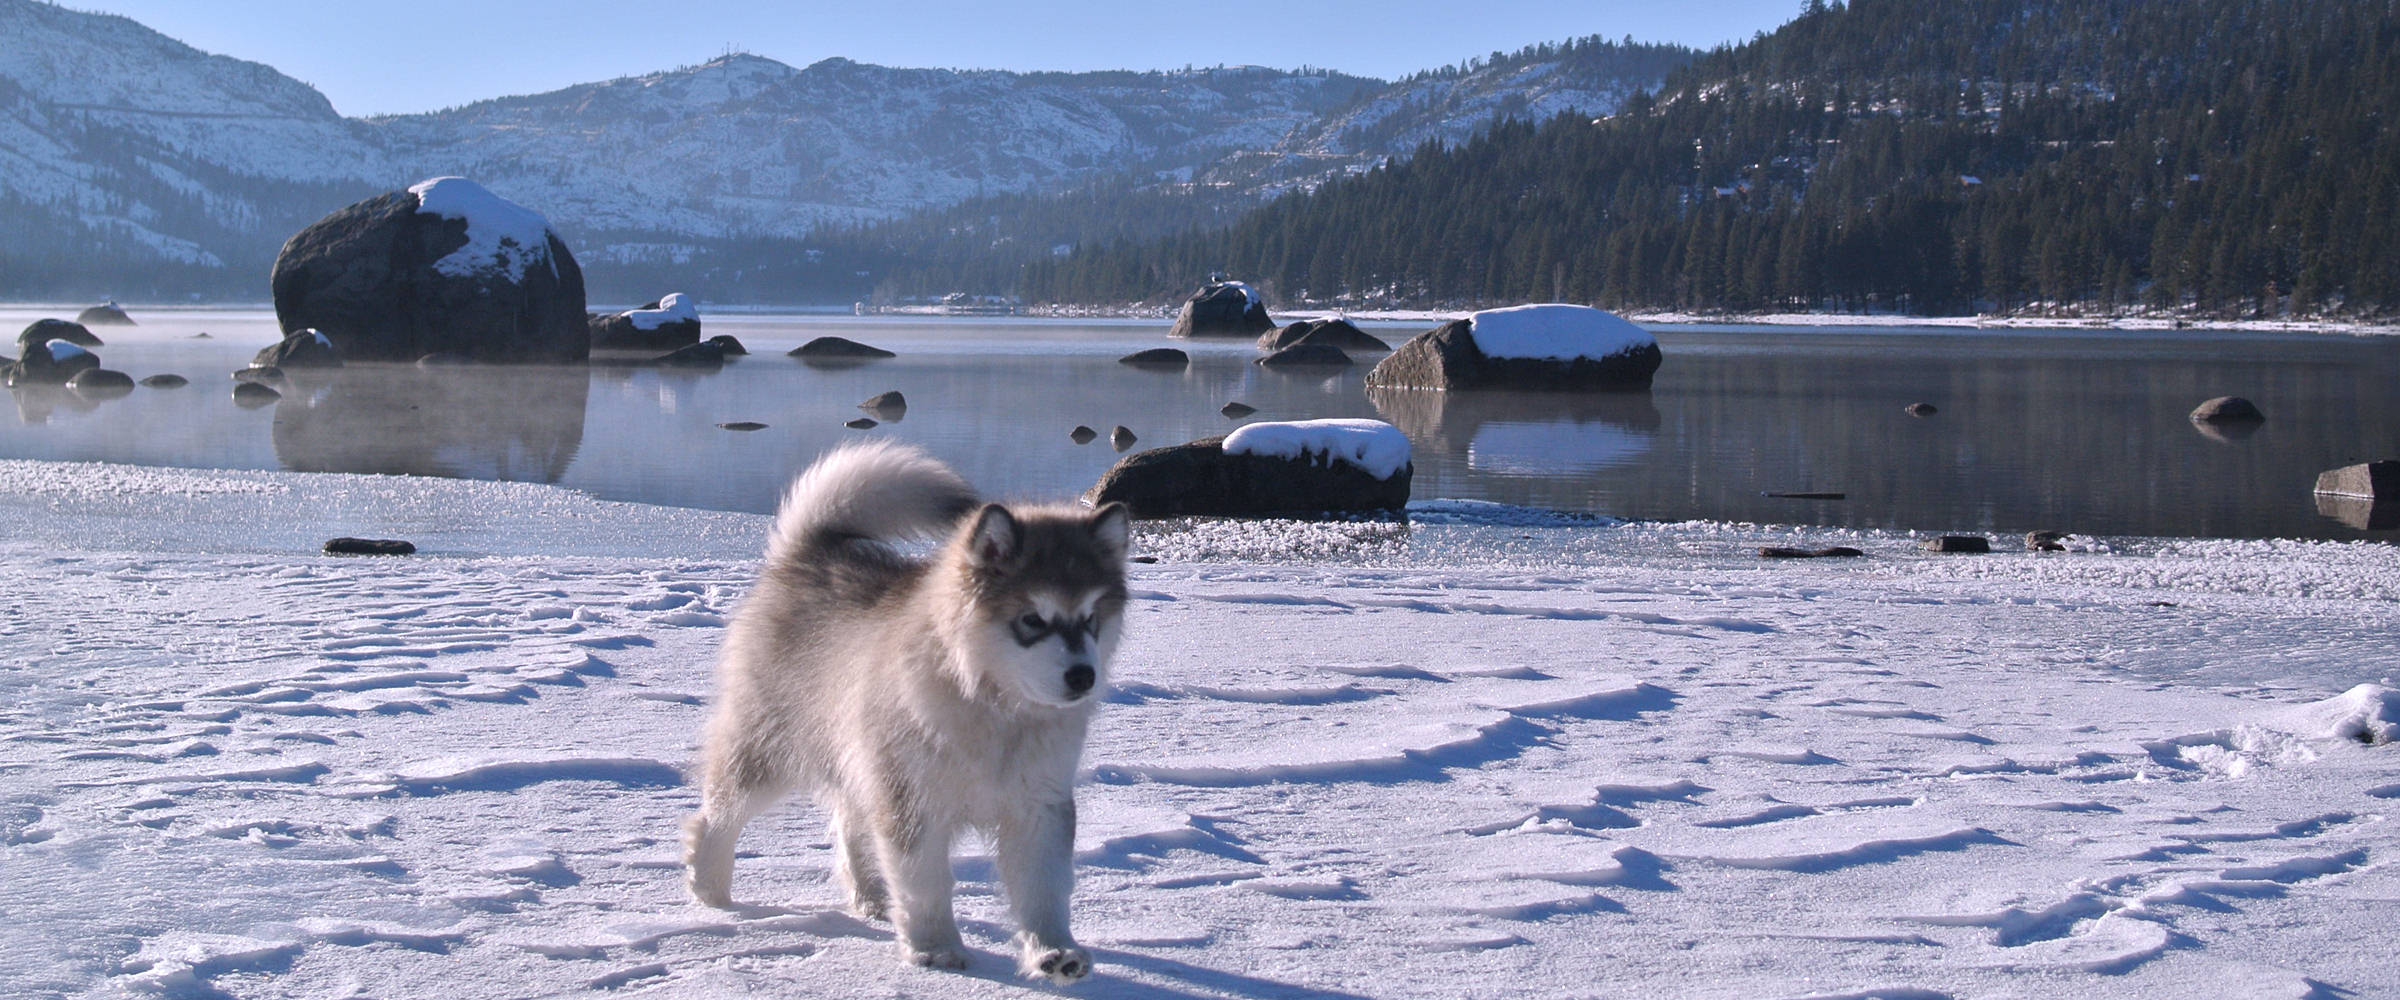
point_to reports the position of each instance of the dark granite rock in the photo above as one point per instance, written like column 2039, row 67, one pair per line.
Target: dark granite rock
column 251, row 395
column 101, row 383
column 743, row 425
column 1200, row 478
column 860, row 424
column 1120, row 438
column 43, row 331
column 1958, row 543
column 387, row 282
column 1340, row 333
column 725, row 342
column 368, row 547
column 52, row 362
column 838, row 350
column 303, row 349
column 166, row 380
column 702, row 356
column 888, row 406
column 1082, row 434
column 2369, row 480
column 260, row 374
column 1831, row 552
column 104, row 314
column 2228, row 410
column 623, row 331
column 1922, row 409
column 1447, row 357
column 1307, row 356
column 1237, row 410
column 1157, row 357
column 1224, row 309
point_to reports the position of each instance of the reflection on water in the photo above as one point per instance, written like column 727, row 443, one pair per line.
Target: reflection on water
column 507, row 422
column 2084, row 432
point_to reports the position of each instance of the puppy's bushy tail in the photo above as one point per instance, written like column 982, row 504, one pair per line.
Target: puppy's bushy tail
column 872, row 491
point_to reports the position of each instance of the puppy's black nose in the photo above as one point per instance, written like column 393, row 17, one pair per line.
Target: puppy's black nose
column 1080, row 678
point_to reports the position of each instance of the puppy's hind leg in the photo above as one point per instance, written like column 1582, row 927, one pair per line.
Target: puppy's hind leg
column 726, row 803
column 916, row 865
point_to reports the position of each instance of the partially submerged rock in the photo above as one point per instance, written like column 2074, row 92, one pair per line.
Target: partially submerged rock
column 662, row 324
column 838, row 350
column 53, row 362
column 1829, row 552
column 890, row 406
column 251, row 395
column 43, row 331
column 1338, row 333
column 1544, row 347
column 302, row 349
column 260, row 374
column 166, row 380
column 1121, row 438
column 1922, row 409
column 444, row 266
column 1303, row 468
column 2366, row 481
column 1082, row 434
column 725, row 342
column 1223, row 309
column 2228, row 410
column 1307, row 356
column 101, row 383
column 1958, row 543
column 701, row 356
column 1157, row 357
column 743, row 425
column 104, row 314
column 860, row 424
column 1237, row 410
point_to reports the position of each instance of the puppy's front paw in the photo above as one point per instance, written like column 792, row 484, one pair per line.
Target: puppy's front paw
column 1058, row 965
column 945, row 956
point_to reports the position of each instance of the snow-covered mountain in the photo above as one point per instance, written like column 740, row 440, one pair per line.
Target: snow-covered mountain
column 123, row 151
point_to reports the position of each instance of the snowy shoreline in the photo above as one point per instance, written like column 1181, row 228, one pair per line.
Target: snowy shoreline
column 1488, row 753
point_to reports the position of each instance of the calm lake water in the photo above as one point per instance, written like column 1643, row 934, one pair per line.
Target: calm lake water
column 2081, row 431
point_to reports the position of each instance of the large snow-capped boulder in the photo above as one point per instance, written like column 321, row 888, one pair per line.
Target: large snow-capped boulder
column 1223, row 309
column 445, row 267
column 1301, row 468
column 1339, row 333
column 663, row 325
column 1547, row 347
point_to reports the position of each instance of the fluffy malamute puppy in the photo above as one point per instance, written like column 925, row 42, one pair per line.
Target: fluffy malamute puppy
column 916, row 696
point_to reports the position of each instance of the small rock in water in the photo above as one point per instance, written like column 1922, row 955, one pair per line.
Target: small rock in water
column 727, row 345
column 838, row 349
column 258, row 374
column 1082, row 434
column 859, row 424
column 1156, row 357
column 1922, row 409
column 251, row 395
column 1121, row 439
column 1959, row 543
column 1238, row 410
column 101, row 383
column 202, row 335
column 2228, row 410
column 1831, row 552
column 347, row 546
column 166, row 381
column 2046, row 541
column 743, row 425
column 888, row 405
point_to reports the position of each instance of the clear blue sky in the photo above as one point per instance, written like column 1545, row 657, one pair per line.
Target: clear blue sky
column 426, row 54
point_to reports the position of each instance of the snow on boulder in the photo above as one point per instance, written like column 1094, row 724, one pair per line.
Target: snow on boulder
column 666, row 324
column 444, row 267
column 1223, row 309
column 1304, row 468
column 49, row 363
column 43, row 331
column 2368, row 713
column 1547, row 347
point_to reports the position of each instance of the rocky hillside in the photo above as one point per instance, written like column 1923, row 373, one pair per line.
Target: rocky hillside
column 132, row 163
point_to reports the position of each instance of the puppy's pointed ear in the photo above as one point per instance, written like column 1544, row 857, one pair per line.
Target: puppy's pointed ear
column 1112, row 526
column 996, row 538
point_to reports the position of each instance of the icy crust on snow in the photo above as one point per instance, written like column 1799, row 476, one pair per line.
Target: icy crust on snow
column 500, row 233
column 1614, row 758
column 675, row 308
column 1555, row 332
column 1377, row 448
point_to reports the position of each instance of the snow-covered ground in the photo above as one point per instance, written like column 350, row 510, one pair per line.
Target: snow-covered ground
column 1489, row 753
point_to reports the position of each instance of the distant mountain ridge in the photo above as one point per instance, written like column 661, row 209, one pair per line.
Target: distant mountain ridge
column 132, row 163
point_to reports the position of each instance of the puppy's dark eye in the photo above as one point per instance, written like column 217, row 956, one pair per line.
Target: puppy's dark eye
column 1031, row 622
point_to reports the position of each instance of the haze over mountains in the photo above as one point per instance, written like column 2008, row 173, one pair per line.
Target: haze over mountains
column 133, row 164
